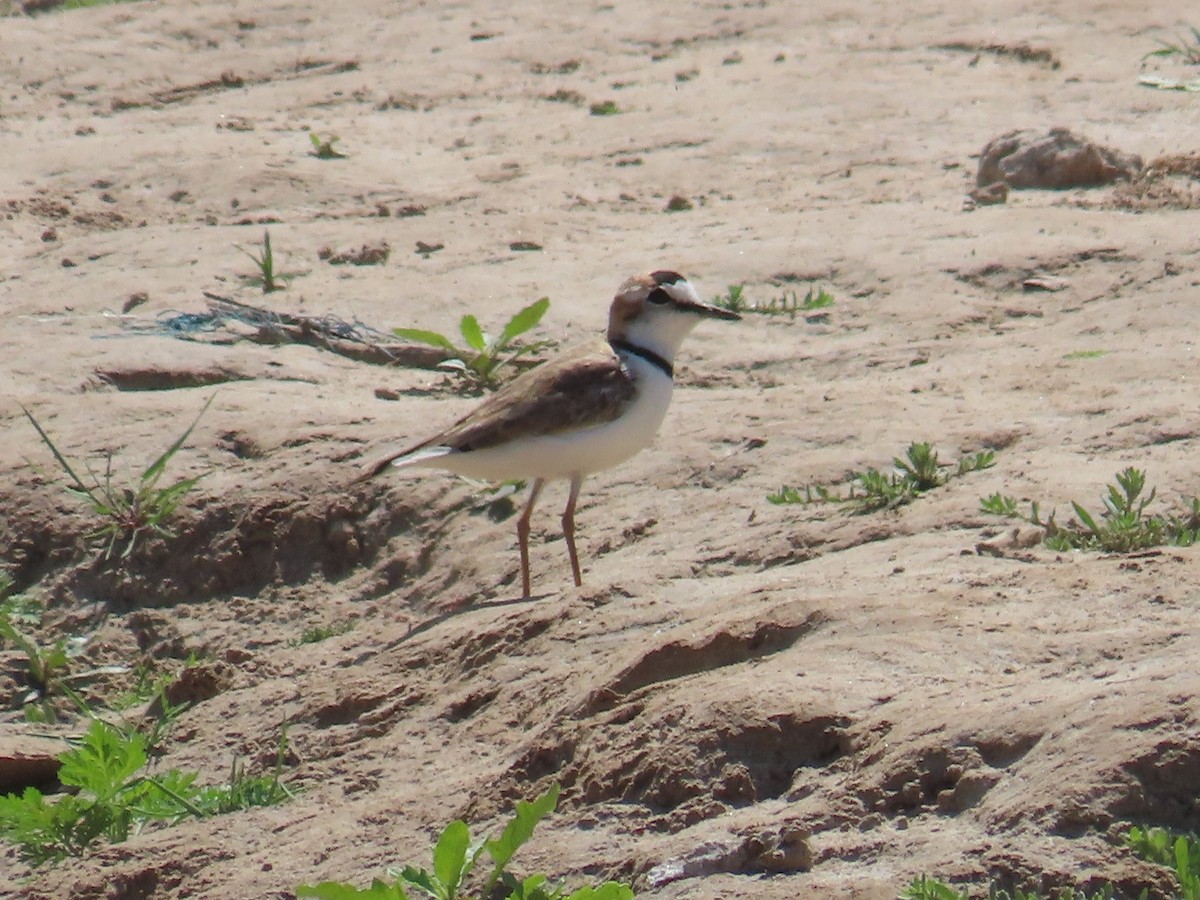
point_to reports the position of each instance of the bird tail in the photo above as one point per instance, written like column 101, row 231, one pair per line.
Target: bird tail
column 403, row 458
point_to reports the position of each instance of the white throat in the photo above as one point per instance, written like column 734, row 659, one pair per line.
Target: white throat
column 661, row 332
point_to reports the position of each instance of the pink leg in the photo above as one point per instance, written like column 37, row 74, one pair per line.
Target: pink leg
column 568, row 527
column 523, row 533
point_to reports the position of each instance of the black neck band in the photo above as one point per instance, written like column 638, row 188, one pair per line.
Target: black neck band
column 648, row 355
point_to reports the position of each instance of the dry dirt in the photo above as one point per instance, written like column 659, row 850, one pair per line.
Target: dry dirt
column 744, row 700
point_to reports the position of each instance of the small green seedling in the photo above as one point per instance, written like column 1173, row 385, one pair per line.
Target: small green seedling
column 788, row 304
column 811, row 305
column 919, row 471
column 1187, row 48
column 1122, row 527
column 812, row 302
column 46, row 668
column 267, row 277
column 319, row 633
column 479, row 362
column 111, row 797
column 455, row 856
column 128, row 513
column 18, row 608
column 325, row 148
column 148, row 683
column 605, row 108
column 734, row 299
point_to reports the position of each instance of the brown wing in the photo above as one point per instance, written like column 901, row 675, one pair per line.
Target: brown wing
column 583, row 386
column 580, row 387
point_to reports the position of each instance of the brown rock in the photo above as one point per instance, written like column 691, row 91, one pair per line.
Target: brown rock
column 1054, row 160
column 28, row 761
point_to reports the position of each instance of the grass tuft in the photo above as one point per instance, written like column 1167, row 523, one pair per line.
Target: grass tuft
column 267, row 277
column 1123, row 526
column 918, row 471
column 112, row 796
column 128, row 513
column 318, row 633
column 1186, row 47
column 812, row 305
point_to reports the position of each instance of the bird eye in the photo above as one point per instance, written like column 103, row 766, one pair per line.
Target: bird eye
column 659, row 296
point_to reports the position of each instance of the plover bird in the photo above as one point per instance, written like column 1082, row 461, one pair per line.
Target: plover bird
column 583, row 410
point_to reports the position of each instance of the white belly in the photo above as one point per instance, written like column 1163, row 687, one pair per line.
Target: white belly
column 570, row 453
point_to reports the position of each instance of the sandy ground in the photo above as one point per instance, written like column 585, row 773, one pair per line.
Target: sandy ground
column 766, row 701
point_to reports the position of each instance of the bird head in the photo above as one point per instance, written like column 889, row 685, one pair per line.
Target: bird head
column 657, row 311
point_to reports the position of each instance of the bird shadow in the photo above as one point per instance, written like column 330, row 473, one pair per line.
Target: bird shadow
column 447, row 616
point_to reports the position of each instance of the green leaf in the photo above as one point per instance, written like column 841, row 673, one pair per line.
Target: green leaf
column 336, row 890
column 520, row 827
column 432, row 338
column 532, row 888
column 450, row 856
column 1086, row 518
column 425, row 881
column 155, row 469
column 78, row 486
column 104, row 761
column 610, row 890
column 523, row 321
column 472, row 333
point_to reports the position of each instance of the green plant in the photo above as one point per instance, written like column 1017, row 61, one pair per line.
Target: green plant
column 148, row 684
column 478, row 363
column 267, row 277
column 925, row 888
column 46, row 669
column 162, row 716
column 1123, row 525
column 1178, row 852
column 789, row 304
column 150, row 688
column 325, row 149
column 605, row 108
column 17, row 608
column 455, row 856
column 914, row 474
column 244, row 791
column 318, row 633
column 128, row 513
column 1188, row 48
column 111, row 799
column 733, row 299
column 1085, row 354
column 64, row 5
